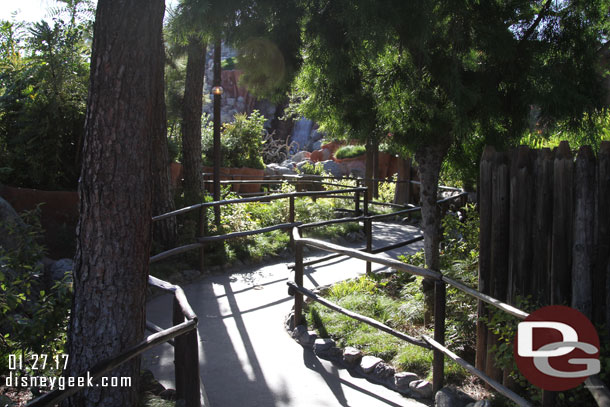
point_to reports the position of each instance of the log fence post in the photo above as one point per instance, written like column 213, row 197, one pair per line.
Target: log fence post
column 499, row 250
column 291, row 218
column 368, row 231
column 438, row 364
column 298, row 279
column 186, row 362
column 583, row 231
column 203, row 226
column 485, row 209
column 601, row 306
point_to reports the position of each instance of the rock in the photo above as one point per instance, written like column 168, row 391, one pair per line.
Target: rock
column 316, row 156
column 351, row 355
column 300, row 156
column 310, row 339
column 276, row 169
column 58, row 269
column 298, row 331
column 450, row 397
column 403, row 379
column 368, row 363
column 326, row 154
column 334, row 168
column 9, row 220
column 316, row 145
column 289, row 321
column 230, row 101
column 323, row 344
column 303, row 336
column 383, row 371
column 422, row 388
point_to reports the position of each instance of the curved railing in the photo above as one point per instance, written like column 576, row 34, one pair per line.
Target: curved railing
column 186, row 354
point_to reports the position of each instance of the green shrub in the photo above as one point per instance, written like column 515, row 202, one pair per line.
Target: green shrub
column 350, row 151
column 229, row 63
column 34, row 319
column 312, row 169
column 241, row 141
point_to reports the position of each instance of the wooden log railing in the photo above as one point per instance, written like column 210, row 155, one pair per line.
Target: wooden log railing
column 203, row 239
column 599, row 391
column 186, row 354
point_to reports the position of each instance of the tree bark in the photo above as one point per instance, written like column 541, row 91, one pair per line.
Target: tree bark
column 191, row 120
column 115, row 188
column 429, row 159
column 165, row 232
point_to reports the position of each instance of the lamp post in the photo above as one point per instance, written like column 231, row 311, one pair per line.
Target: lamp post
column 217, row 92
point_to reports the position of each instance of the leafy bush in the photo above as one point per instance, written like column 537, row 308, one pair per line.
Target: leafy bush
column 228, row 64
column 459, row 258
column 241, row 141
column 43, row 92
column 350, row 151
column 34, row 319
column 311, row 169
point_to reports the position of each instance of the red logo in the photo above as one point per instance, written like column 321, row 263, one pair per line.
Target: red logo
column 556, row 348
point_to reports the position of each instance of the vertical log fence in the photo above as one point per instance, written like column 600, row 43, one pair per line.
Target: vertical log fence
column 544, row 234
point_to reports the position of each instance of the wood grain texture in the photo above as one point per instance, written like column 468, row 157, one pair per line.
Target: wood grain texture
column 115, row 188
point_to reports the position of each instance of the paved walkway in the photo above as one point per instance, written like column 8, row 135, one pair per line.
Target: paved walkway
column 247, row 357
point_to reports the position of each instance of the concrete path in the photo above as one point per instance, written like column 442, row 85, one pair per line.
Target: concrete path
column 248, row 358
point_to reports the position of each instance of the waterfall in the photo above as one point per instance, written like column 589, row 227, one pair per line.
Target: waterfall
column 300, row 134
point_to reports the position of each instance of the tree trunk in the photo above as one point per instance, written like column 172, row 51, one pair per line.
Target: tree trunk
column 165, row 232
column 429, row 159
column 114, row 231
column 191, row 120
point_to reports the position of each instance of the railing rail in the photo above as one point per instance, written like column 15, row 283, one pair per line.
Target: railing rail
column 184, row 336
column 598, row 389
column 201, row 207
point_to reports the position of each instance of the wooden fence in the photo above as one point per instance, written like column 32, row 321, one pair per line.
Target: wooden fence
column 545, row 233
column 183, row 336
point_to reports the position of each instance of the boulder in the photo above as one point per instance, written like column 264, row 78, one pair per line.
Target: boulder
column 316, row 156
column 383, row 371
column 422, row 388
column 9, row 221
column 333, row 168
column 323, row 344
column 58, row 269
column 368, row 363
column 351, row 355
column 450, row 397
column 277, row 169
column 403, row 379
column 300, row 156
column 480, row 403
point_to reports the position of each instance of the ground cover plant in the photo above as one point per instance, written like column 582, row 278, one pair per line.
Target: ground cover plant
column 257, row 215
column 396, row 300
